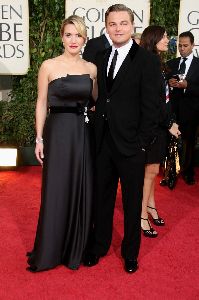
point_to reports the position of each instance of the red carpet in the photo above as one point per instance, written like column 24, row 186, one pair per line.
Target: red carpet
column 169, row 267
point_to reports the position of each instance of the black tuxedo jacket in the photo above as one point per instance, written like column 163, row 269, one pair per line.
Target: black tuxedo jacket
column 132, row 106
column 94, row 46
column 185, row 103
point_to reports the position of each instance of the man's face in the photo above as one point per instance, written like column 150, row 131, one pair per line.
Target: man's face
column 185, row 46
column 119, row 27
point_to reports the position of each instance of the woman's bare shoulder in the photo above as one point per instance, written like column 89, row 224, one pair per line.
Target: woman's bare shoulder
column 48, row 65
column 92, row 68
column 90, row 64
column 51, row 61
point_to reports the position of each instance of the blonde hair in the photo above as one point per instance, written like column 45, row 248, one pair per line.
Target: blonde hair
column 79, row 24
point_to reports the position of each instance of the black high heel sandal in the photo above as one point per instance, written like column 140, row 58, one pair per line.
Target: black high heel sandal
column 149, row 232
column 159, row 221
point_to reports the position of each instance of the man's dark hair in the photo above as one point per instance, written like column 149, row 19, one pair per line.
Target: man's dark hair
column 188, row 34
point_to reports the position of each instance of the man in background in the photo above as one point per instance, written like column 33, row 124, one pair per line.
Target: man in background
column 185, row 100
column 137, row 37
column 95, row 45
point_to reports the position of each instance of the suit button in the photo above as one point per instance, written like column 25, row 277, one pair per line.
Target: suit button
column 108, row 100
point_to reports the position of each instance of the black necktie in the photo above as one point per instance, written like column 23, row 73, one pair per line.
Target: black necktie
column 182, row 67
column 111, row 70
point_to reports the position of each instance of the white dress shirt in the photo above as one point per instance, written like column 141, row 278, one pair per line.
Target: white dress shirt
column 122, row 53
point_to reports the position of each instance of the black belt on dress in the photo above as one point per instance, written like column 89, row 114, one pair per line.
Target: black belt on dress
column 80, row 109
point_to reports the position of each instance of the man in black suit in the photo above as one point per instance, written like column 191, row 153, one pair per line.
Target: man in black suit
column 95, row 45
column 126, row 118
column 185, row 100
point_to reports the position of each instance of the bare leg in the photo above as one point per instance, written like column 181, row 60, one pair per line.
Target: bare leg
column 151, row 208
column 151, row 171
column 151, row 200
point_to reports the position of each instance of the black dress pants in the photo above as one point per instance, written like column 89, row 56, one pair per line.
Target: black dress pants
column 110, row 166
column 188, row 132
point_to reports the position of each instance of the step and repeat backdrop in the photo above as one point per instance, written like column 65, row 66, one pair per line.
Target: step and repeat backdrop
column 14, row 37
column 189, row 20
column 14, row 26
column 93, row 13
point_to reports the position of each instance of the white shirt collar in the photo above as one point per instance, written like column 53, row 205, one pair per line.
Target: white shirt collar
column 189, row 57
column 108, row 38
column 123, row 51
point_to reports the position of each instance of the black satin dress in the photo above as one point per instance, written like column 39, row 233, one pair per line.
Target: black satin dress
column 67, row 181
column 156, row 152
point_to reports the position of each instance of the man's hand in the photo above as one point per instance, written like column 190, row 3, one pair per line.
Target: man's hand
column 182, row 84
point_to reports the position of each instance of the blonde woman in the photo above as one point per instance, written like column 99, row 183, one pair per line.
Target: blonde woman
column 65, row 85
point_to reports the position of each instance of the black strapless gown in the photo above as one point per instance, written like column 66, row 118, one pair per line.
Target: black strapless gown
column 67, row 181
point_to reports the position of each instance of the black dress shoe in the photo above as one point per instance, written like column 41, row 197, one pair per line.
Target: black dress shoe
column 130, row 265
column 170, row 182
column 91, row 260
column 189, row 179
column 163, row 182
column 31, row 269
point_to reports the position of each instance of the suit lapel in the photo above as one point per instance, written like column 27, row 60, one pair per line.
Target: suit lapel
column 176, row 66
column 105, row 41
column 104, row 66
column 191, row 69
column 123, row 71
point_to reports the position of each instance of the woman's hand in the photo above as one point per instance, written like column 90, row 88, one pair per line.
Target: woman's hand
column 174, row 130
column 39, row 152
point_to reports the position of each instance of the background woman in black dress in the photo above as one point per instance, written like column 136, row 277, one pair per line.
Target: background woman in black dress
column 65, row 85
column 154, row 39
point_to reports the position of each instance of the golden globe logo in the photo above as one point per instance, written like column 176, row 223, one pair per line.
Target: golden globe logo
column 93, row 16
column 189, row 21
column 93, row 13
column 14, row 36
column 11, row 31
